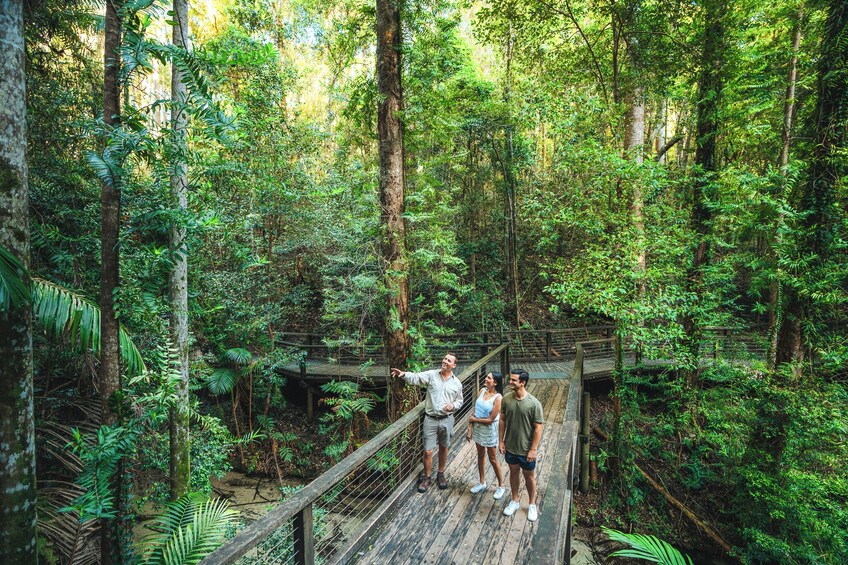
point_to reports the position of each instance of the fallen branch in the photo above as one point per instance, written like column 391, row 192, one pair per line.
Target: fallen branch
column 674, row 502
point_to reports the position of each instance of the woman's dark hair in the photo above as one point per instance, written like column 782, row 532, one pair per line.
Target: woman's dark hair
column 498, row 381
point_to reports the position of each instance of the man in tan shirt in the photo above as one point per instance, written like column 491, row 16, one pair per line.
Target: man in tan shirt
column 444, row 398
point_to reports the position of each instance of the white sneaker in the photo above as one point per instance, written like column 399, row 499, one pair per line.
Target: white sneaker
column 511, row 508
column 499, row 492
column 479, row 487
column 532, row 513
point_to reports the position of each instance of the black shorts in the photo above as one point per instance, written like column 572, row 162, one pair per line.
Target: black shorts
column 520, row 460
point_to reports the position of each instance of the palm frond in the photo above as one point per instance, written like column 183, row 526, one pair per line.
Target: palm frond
column 649, row 548
column 63, row 313
column 189, row 529
column 238, row 355
column 221, row 381
column 13, row 288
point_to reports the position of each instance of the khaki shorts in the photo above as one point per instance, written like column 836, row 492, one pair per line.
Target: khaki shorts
column 437, row 431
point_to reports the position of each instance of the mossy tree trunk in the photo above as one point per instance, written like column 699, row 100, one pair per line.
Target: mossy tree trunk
column 178, row 280
column 390, row 139
column 17, row 430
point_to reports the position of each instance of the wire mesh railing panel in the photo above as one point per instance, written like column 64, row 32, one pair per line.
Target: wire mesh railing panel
column 346, row 508
column 276, row 548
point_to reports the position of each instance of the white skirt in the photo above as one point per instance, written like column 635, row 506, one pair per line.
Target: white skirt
column 485, row 434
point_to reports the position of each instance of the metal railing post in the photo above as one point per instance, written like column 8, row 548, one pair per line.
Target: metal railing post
column 304, row 543
column 547, row 347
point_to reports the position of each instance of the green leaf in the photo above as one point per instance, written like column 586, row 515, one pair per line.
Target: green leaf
column 221, row 381
column 13, row 288
column 64, row 313
column 649, row 548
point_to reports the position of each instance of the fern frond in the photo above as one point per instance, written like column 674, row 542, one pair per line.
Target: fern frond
column 189, row 529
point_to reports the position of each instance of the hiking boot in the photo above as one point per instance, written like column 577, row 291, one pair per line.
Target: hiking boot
column 424, row 484
column 440, row 478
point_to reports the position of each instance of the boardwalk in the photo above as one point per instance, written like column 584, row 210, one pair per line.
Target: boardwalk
column 454, row 526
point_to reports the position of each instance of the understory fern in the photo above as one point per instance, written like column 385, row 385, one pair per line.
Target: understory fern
column 187, row 531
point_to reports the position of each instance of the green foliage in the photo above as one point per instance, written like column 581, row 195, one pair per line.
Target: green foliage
column 648, row 548
column 100, row 462
column 189, row 529
column 347, row 417
column 64, row 313
column 13, row 289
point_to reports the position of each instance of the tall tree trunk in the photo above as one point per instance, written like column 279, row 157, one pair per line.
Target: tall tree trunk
column 634, row 146
column 818, row 194
column 390, row 135
column 775, row 314
column 510, row 204
column 17, row 429
column 710, row 86
column 178, row 280
column 110, row 203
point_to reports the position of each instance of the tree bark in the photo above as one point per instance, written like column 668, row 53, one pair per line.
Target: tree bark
column 110, row 203
column 178, row 280
column 510, row 204
column 17, row 428
column 634, row 142
column 390, row 141
column 710, row 86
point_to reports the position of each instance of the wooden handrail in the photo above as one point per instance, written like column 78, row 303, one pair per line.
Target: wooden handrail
column 252, row 535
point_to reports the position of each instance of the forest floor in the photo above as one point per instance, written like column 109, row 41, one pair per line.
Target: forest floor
column 652, row 515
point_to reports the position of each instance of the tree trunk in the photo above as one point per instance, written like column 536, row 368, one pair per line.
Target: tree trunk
column 390, row 135
column 510, row 204
column 17, row 430
column 634, row 142
column 178, row 280
column 110, row 202
column 775, row 314
column 710, row 86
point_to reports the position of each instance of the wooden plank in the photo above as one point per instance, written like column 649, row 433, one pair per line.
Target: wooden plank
column 408, row 525
column 376, row 520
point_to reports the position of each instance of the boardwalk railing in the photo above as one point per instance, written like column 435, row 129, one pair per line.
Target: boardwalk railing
column 328, row 520
column 525, row 345
column 529, row 345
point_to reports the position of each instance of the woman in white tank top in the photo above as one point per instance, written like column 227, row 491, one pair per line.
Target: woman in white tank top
column 483, row 428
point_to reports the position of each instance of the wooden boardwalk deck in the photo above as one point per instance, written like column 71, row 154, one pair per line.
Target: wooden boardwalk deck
column 455, row 526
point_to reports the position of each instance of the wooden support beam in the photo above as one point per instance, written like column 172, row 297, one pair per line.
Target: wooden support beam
column 304, row 543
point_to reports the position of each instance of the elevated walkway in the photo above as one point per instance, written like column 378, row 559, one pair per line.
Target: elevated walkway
column 455, row 526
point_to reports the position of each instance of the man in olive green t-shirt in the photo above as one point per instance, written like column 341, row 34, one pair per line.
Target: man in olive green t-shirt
column 519, row 434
